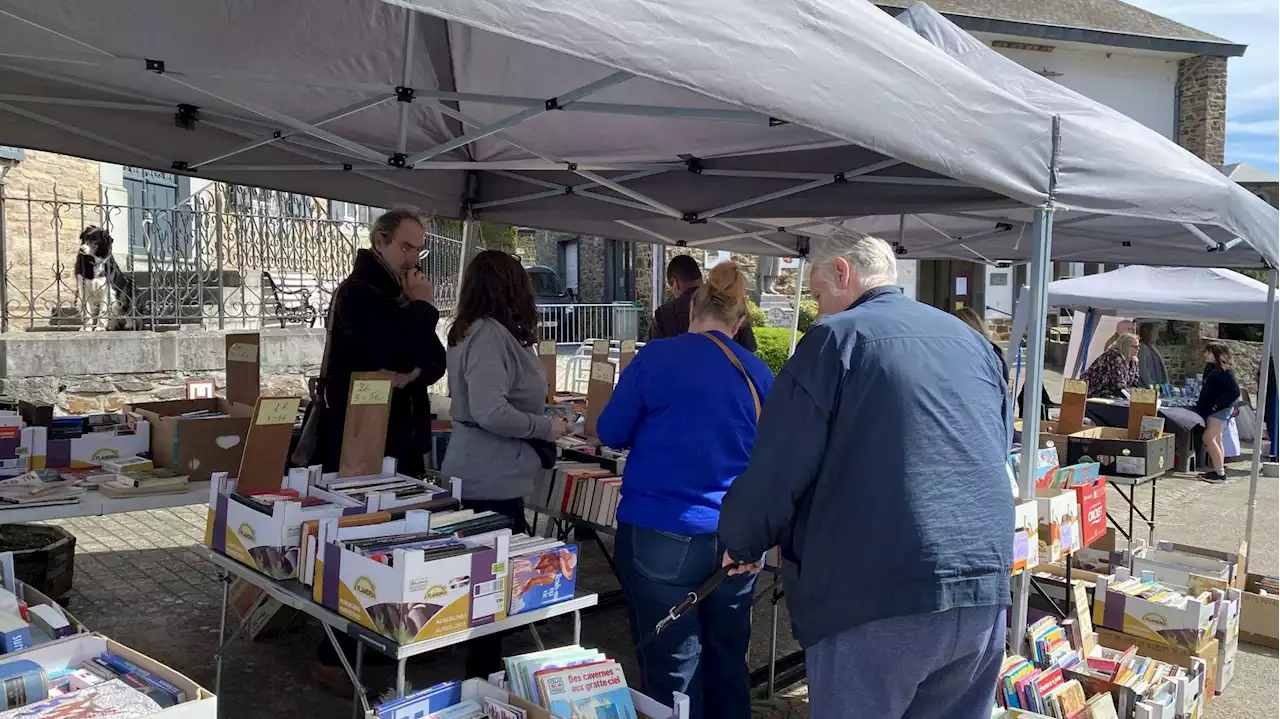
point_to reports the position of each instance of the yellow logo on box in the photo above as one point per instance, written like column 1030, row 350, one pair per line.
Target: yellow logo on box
column 366, row 588
column 105, row 453
column 436, row 592
column 246, row 531
column 1155, row 620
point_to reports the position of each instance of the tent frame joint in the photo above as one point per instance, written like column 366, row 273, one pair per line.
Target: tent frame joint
column 398, row 159
column 552, row 103
column 181, row 166
column 346, row 167
column 404, row 94
column 156, row 66
column 187, row 116
column 693, row 164
column 693, row 219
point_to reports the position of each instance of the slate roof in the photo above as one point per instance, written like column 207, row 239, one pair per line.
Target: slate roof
column 1105, row 22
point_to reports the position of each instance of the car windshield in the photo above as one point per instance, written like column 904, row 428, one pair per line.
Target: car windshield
column 546, row 284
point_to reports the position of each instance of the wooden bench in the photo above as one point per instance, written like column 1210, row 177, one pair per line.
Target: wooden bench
column 294, row 297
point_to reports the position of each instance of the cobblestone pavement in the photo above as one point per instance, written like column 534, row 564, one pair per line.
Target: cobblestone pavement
column 142, row 579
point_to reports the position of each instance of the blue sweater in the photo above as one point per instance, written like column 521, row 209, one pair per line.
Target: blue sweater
column 880, row 470
column 686, row 414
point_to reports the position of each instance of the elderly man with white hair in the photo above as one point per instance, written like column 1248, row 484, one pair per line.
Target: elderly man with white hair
column 879, row 468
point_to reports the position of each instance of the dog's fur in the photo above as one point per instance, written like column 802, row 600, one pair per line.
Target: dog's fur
column 106, row 293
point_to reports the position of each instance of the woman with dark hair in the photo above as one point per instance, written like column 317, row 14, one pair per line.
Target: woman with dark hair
column 499, row 399
column 970, row 317
column 1216, row 404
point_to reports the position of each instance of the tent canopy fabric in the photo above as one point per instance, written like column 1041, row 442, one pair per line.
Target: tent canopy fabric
column 634, row 121
column 1174, row 293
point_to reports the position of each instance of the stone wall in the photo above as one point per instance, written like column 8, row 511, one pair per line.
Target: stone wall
column 1186, row 360
column 1202, row 106
column 93, row 371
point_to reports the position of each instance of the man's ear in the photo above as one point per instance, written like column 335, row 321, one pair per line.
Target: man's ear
column 843, row 273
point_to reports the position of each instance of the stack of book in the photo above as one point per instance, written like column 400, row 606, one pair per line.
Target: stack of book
column 571, row 682
column 1023, row 686
column 544, row 572
column 444, row 701
column 581, row 490
column 405, row 490
column 432, row 545
column 142, row 484
column 38, row 489
column 107, row 686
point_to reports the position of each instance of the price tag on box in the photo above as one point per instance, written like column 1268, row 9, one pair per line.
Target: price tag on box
column 370, row 391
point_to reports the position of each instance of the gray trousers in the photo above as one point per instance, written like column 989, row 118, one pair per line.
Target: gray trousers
column 926, row 666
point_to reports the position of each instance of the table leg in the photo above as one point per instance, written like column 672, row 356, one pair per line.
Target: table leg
column 1151, row 522
column 400, row 666
column 577, row 627
column 356, row 686
column 355, row 698
column 773, row 642
column 1129, row 500
column 222, row 634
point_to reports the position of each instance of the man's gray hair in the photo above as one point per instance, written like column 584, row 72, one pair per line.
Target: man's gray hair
column 870, row 258
column 390, row 221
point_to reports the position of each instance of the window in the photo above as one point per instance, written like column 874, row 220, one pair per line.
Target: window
column 17, row 154
column 351, row 212
column 158, row 225
column 245, row 200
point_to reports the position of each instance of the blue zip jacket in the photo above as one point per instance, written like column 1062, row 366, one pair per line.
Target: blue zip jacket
column 879, row 467
column 685, row 412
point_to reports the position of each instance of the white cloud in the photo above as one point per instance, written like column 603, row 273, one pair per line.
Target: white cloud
column 1253, row 81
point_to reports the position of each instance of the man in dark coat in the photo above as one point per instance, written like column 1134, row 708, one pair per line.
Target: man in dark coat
column 382, row 319
column 672, row 318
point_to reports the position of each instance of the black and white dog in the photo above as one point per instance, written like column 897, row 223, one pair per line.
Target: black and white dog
column 106, row 293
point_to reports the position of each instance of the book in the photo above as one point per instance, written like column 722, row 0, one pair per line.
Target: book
column 544, row 577
column 109, row 700
column 15, row 634
column 123, row 666
column 422, row 702
column 1100, row 706
column 1150, row 428
column 596, row 690
column 462, row 710
column 22, row 682
column 495, row 709
column 522, row 669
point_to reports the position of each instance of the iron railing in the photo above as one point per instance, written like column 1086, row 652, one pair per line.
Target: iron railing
column 576, row 323
column 227, row 257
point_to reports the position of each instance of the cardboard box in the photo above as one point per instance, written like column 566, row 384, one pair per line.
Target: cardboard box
column 477, row 690
column 93, row 448
column 1050, row 437
column 1092, row 499
column 1187, row 625
column 411, row 599
column 268, row 543
column 1119, row 455
column 1059, row 514
column 1208, row 653
column 22, row 448
column 1259, row 615
column 1026, row 536
column 69, row 652
column 197, row 447
column 1105, row 555
column 1181, row 564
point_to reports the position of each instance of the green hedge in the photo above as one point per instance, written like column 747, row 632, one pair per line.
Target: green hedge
column 755, row 315
column 808, row 314
column 773, row 345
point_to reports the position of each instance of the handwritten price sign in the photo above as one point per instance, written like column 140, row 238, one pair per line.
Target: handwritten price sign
column 282, row 410
column 547, row 347
column 242, row 352
column 1075, row 386
column 370, row 391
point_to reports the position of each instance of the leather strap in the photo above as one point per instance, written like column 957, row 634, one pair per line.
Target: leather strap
column 755, row 395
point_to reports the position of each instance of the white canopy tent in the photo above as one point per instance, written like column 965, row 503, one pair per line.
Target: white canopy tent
column 634, row 121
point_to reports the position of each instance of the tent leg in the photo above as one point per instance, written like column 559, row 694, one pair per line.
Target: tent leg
column 464, row 258
column 1268, row 344
column 1042, row 234
column 795, row 316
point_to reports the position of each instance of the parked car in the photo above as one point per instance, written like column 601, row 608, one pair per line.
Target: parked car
column 556, row 305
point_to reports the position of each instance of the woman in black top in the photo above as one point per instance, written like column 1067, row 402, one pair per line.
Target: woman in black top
column 1216, row 404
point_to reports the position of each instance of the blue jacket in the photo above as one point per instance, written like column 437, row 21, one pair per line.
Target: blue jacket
column 879, row 467
column 685, row 412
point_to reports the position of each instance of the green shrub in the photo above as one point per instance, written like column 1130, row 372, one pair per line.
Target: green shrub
column 773, row 345
column 808, row 314
column 755, row 315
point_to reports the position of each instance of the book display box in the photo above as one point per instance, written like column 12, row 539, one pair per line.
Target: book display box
column 1059, row 515
column 1026, row 541
column 1188, row 624
column 1119, row 455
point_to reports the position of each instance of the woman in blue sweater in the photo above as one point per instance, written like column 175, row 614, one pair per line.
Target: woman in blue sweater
column 687, row 407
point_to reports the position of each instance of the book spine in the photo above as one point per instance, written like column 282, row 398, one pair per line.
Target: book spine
column 123, row 665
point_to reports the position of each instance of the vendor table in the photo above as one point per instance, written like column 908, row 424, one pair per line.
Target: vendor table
column 1187, row 426
column 94, row 504
column 1133, row 483
column 294, row 594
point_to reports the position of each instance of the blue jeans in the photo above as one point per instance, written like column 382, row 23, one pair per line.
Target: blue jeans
column 926, row 666
column 704, row 655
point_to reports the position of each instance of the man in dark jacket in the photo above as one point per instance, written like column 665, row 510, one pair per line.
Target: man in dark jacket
column 382, row 318
column 879, row 467
column 684, row 277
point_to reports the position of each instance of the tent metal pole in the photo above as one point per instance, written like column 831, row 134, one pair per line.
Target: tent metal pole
column 628, row 192
column 336, row 115
column 1042, row 233
column 847, row 175
column 37, row 117
column 406, row 77
column 464, row 258
column 1268, row 356
column 646, row 231
column 76, row 102
column 795, row 316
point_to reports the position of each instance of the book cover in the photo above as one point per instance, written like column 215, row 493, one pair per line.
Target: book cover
column 22, row 681
column 462, row 710
column 594, row 691
column 543, row 578
column 108, row 700
column 124, row 666
column 576, row 657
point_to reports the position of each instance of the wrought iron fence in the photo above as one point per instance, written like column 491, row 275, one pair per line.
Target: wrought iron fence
column 228, row 257
column 576, row 323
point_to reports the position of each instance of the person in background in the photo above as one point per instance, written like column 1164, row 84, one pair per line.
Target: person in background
column 499, row 395
column 381, row 318
column 970, row 317
column 879, row 467
column 684, row 277
column 1270, row 411
column 1216, row 404
column 1151, row 368
column 1123, row 327
column 1114, row 370
column 687, row 407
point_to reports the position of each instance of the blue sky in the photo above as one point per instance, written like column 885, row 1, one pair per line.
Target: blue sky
column 1253, row 81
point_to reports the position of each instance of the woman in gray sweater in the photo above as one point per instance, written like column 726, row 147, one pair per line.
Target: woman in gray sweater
column 499, row 396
